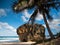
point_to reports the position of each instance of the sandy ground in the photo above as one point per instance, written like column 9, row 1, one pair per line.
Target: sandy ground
column 17, row 43
column 53, row 42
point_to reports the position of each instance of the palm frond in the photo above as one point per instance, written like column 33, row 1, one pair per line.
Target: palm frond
column 52, row 4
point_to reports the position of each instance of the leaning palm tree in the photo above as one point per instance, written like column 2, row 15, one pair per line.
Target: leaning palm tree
column 42, row 6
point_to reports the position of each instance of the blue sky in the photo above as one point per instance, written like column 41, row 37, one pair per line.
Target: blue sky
column 10, row 21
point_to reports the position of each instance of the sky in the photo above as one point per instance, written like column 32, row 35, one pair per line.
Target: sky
column 10, row 21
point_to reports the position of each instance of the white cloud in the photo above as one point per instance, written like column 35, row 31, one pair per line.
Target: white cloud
column 39, row 16
column 24, row 19
column 2, row 12
column 54, row 24
column 0, row 26
column 6, row 29
column 7, row 26
column 26, row 16
column 56, row 21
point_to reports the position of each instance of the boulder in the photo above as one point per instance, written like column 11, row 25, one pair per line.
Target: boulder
column 29, row 32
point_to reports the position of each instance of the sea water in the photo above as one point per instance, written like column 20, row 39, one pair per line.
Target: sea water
column 9, row 39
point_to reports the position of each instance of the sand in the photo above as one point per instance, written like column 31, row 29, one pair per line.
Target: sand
column 53, row 42
column 17, row 43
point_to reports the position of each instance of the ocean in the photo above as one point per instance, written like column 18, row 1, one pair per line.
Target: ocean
column 9, row 39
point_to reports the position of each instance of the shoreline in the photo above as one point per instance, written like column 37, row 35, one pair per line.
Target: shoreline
column 17, row 43
column 55, row 41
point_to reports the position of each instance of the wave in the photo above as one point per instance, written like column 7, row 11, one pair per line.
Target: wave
column 5, row 40
column 8, row 36
column 9, row 39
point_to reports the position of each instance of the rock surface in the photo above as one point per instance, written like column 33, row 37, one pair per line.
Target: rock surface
column 28, row 32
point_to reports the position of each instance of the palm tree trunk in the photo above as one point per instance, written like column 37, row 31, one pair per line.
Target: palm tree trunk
column 48, row 28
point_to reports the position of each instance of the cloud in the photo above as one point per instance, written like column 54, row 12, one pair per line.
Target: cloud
column 54, row 24
column 56, row 21
column 26, row 16
column 24, row 19
column 2, row 12
column 39, row 16
column 7, row 26
column 7, row 30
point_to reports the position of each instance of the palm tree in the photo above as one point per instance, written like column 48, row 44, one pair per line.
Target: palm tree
column 42, row 6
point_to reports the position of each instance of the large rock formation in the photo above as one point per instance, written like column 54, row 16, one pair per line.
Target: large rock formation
column 28, row 32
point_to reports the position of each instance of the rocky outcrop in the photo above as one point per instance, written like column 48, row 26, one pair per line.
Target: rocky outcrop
column 28, row 32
